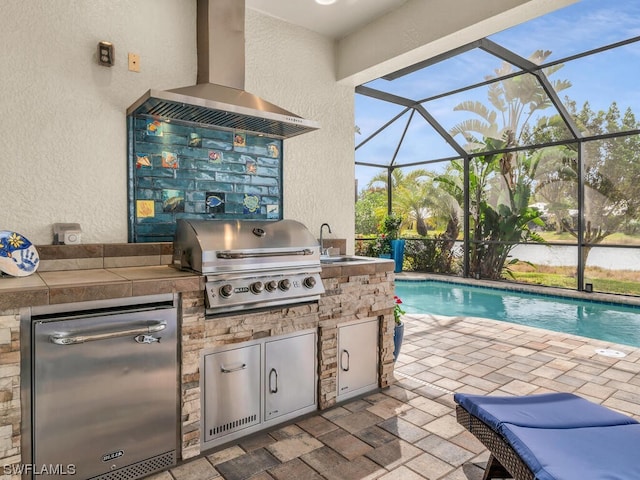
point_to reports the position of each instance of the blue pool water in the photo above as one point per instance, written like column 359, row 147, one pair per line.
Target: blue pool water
column 604, row 321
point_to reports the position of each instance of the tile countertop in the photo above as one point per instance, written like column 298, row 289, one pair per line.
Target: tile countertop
column 68, row 286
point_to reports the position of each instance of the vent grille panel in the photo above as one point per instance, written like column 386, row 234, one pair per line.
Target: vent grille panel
column 222, row 119
column 233, row 426
column 141, row 469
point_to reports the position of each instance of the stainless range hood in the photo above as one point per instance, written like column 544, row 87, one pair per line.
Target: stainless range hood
column 219, row 99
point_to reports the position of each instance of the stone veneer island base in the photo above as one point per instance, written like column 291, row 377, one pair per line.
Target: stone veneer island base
column 88, row 272
column 356, row 292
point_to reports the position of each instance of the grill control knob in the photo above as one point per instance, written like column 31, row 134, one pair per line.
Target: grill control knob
column 226, row 290
column 271, row 286
column 284, row 285
column 256, row 287
column 309, row 282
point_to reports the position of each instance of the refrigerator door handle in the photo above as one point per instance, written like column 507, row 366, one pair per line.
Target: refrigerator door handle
column 78, row 337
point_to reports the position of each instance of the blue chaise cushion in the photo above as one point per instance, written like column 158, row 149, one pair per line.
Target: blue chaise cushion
column 549, row 410
column 592, row 453
column 561, row 436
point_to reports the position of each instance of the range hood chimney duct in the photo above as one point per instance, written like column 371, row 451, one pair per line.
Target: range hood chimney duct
column 220, row 27
column 219, row 99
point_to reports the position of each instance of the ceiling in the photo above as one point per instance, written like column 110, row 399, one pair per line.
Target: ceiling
column 335, row 21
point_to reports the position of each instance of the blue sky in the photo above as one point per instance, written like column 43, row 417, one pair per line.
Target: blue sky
column 599, row 79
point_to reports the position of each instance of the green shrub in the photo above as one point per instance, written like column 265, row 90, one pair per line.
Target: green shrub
column 436, row 255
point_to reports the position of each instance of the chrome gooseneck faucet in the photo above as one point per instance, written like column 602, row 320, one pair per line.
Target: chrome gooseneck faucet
column 323, row 251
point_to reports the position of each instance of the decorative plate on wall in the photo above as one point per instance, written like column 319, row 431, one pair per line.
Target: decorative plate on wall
column 18, row 256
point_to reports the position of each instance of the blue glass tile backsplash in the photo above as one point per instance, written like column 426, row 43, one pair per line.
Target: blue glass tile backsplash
column 183, row 171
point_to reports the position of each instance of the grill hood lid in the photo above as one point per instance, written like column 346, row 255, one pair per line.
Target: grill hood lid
column 215, row 246
column 219, row 99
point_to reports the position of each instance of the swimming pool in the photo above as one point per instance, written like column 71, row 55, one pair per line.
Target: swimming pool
column 599, row 320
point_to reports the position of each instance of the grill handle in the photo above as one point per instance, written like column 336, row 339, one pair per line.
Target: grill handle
column 236, row 255
column 75, row 339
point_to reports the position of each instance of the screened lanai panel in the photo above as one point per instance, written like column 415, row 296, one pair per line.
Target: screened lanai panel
column 544, row 264
column 422, row 143
column 527, row 197
column 612, row 191
column 603, row 79
column 507, row 113
column 430, row 199
column 371, row 114
column 370, row 178
column 550, row 176
column 502, row 195
column 613, row 270
column 380, row 149
column 371, row 198
column 582, row 26
column 459, row 71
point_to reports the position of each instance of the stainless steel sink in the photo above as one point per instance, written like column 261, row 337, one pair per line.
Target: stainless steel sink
column 344, row 259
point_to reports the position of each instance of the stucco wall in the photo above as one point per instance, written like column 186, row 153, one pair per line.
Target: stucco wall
column 63, row 126
column 294, row 68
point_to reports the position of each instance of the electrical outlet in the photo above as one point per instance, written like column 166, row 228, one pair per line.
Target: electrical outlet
column 134, row 62
column 106, row 54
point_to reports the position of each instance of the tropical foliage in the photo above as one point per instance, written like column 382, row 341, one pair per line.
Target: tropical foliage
column 501, row 184
column 411, row 196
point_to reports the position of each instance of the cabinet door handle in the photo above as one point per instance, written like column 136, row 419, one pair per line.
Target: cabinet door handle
column 231, row 370
column 342, row 362
column 271, row 389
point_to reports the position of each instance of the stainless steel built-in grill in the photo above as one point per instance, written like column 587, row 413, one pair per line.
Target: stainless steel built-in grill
column 250, row 264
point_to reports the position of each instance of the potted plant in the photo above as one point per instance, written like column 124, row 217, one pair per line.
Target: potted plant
column 398, row 332
column 391, row 228
column 381, row 247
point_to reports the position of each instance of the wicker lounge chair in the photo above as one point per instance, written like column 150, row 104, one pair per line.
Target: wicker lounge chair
column 555, row 436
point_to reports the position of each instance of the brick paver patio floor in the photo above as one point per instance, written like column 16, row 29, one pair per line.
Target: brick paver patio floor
column 409, row 431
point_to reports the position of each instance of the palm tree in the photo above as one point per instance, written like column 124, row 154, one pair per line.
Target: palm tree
column 501, row 184
column 412, row 196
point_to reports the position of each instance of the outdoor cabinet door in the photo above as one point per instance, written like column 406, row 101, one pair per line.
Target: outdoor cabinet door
column 290, row 375
column 231, row 391
column 357, row 358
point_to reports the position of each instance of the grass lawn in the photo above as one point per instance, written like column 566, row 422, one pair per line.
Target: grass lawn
column 613, row 239
column 626, row 282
